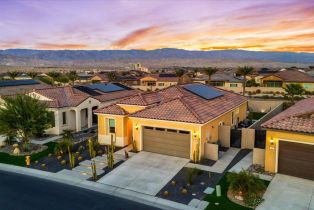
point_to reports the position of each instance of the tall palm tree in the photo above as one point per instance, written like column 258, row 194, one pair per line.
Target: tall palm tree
column 13, row 74
column 293, row 90
column 245, row 71
column 179, row 74
column 32, row 74
column 72, row 75
column 209, row 71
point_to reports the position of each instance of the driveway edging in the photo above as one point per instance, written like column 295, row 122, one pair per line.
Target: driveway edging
column 98, row 187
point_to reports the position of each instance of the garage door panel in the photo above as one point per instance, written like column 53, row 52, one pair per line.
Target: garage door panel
column 165, row 142
column 296, row 159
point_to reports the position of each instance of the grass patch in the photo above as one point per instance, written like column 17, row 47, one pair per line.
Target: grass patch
column 224, row 202
column 20, row 160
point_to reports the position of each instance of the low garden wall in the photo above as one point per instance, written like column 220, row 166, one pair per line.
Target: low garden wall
column 211, row 151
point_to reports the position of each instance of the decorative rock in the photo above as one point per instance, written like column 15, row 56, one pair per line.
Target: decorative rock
column 216, row 204
column 49, row 155
column 173, row 183
column 59, row 157
column 16, row 151
column 166, row 193
column 63, row 162
column 80, row 158
column 202, row 183
column 194, row 194
column 184, row 191
column 239, row 197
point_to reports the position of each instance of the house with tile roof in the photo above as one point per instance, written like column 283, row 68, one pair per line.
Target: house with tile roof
column 288, row 76
column 176, row 120
column 152, row 82
column 73, row 106
column 290, row 141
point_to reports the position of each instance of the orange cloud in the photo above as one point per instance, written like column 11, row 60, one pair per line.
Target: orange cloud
column 232, row 47
column 134, row 36
column 50, row 46
column 294, row 48
column 11, row 44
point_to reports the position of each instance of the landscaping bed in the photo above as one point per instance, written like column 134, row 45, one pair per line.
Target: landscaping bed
column 51, row 163
column 107, row 170
column 223, row 201
column 32, row 149
column 200, row 181
column 20, row 160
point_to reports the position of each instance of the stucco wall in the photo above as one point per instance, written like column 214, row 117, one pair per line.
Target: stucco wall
column 259, row 156
column 271, row 150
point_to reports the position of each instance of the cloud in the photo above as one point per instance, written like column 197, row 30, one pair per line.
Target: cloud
column 50, row 46
column 10, row 44
column 295, row 48
column 232, row 47
column 134, row 37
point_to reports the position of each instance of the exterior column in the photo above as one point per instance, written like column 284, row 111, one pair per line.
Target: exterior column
column 89, row 117
column 78, row 120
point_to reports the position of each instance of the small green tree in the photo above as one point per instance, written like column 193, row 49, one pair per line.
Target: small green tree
column 112, row 76
column 293, row 90
column 210, row 71
column 179, row 74
column 23, row 116
column 245, row 71
column 13, row 74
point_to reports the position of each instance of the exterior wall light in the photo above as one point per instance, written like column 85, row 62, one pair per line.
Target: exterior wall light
column 195, row 134
column 136, row 126
column 272, row 143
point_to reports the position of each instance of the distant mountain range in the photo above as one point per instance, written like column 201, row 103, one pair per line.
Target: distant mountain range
column 70, row 57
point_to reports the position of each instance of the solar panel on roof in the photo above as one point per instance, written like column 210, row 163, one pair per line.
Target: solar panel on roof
column 18, row 82
column 106, row 87
column 203, row 91
column 88, row 90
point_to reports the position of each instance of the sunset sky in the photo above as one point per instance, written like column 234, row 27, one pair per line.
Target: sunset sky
column 268, row 25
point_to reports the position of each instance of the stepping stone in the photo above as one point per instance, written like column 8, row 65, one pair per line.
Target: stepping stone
column 87, row 163
column 194, row 202
column 74, row 174
column 209, row 190
column 100, row 159
column 202, row 205
column 117, row 157
column 85, row 170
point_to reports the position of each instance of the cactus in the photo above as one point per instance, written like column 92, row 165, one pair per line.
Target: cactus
column 110, row 153
column 71, row 158
column 134, row 145
column 91, row 149
column 94, row 172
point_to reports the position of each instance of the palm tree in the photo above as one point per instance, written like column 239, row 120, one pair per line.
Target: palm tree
column 23, row 116
column 179, row 74
column 112, row 76
column 72, row 75
column 245, row 71
column 32, row 74
column 13, row 74
column 209, row 71
column 293, row 90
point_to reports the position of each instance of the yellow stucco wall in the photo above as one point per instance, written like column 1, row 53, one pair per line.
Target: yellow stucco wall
column 131, row 108
column 271, row 150
column 271, row 78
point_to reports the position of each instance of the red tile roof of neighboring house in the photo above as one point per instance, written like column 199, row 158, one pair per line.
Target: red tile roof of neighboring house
column 62, row 96
column 293, row 76
column 102, row 76
column 177, row 104
column 116, row 95
column 112, row 109
column 298, row 118
column 164, row 77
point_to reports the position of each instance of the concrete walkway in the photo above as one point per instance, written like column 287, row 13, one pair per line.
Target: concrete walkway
column 243, row 164
column 146, row 172
column 288, row 193
column 220, row 165
column 98, row 187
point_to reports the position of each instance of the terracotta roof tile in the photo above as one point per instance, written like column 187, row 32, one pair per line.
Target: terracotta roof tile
column 112, row 109
column 298, row 118
column 293, row 76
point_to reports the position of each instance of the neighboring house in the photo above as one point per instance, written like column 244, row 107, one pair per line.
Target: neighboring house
column 284, row 77
column 290, row 141
column 175, row 121
column 311, row 73
column 72, row 108
column 226, row 81
column 13, row 87
column 154, row 82
column 84, row 77
column 100, row 77
column 129, row 80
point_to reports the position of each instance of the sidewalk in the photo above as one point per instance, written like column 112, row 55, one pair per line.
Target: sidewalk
column 98, row 187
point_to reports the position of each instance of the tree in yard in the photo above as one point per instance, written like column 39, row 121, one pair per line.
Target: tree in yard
column 32, row 74
column 13, row 74
column 23, row 116
column 209, row 71
column 112, row 76
column 293, row 90
column 179, row 74
column 62, row 79
column 246, row 185
column 245, row 71
column 72, row 75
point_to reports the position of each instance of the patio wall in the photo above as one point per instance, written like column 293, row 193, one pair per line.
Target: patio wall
column 247, row 138
column 224, row 135
column 259, row 156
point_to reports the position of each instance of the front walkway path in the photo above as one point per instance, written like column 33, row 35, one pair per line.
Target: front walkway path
column 288, row 193
column 146, row 172
column 221, row 164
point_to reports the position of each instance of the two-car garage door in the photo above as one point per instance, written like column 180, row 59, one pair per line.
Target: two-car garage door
column 296, row 159
column 166, row 141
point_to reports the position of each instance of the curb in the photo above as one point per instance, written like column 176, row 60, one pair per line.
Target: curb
column 98, row 187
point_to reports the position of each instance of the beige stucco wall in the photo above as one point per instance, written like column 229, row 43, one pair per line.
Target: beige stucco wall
column 247, row 138
column 263, row 105
column 259, row 156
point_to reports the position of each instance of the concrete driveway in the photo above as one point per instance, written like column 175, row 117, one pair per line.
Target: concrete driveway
column 145, row 172
column 288, row 193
